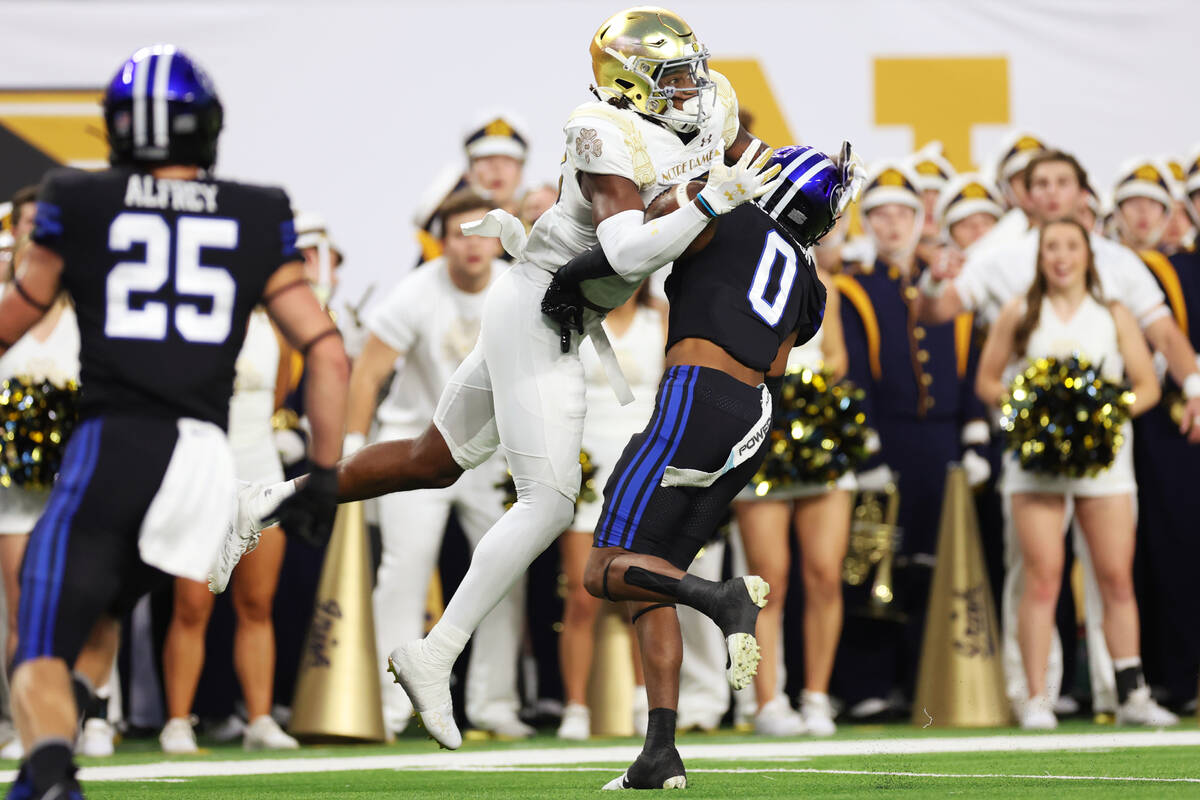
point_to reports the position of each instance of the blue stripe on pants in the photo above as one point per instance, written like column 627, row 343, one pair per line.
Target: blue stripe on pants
column 675, row 438
column 661, row 411
column 643, row 478
column 43, row 584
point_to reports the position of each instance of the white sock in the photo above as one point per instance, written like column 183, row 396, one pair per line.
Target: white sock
column 1126, row 663
column 506, row 551
column 444, row 643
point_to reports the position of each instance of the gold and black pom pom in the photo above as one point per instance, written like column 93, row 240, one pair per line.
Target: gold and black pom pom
column 37, row 419
column 1062, row 417
column 820, row 434
column 588, row 491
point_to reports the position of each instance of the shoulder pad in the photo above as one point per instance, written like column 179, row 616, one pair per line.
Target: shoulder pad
column 605, row 140
column 727, row 99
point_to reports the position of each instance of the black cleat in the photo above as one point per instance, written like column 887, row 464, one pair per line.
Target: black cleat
column 662, row 769
column 738, row 607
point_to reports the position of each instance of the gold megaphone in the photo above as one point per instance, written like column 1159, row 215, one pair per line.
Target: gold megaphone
column 874, row 539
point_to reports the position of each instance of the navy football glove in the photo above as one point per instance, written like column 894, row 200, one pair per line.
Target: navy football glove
column 308, row 514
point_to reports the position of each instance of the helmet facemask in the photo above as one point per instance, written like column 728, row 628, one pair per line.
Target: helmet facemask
column 657, row 101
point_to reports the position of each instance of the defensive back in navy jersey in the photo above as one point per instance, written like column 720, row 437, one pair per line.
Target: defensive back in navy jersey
column 747, row 290
column 164, row 274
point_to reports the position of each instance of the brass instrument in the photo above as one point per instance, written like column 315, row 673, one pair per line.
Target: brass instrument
column 874, row 539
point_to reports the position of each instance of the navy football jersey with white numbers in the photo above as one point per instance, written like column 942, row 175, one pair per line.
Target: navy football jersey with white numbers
column 746, row 290
column 164, row 275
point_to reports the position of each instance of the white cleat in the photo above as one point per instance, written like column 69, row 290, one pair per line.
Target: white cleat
column 264, row 733
column 428, row 687
column 96, row 739
column 255, row 503
column 1140, row 709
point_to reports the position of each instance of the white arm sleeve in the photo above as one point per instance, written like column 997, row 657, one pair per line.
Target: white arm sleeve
column 635, row 249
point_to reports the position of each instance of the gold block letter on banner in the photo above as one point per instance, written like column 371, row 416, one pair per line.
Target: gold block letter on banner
column 755, row 97
column 65, row 125
column 941, row 98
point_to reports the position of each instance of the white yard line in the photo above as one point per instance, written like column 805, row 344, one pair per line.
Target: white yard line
column 624, row 754
column 812, row 771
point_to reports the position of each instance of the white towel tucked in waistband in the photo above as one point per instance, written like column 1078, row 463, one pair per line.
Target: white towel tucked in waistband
column 183, row 528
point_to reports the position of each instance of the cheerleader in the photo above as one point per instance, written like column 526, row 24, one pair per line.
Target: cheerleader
column 821, row 516
column 262, row 378
column 638, row 335
column 1063, row 314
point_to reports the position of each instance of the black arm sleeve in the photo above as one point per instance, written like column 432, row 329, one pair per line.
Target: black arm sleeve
column 588, row 265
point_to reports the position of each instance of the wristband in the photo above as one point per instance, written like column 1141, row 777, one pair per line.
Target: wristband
column 1191, row 386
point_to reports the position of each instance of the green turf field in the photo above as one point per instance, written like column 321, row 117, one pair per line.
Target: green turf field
column 1079, row 760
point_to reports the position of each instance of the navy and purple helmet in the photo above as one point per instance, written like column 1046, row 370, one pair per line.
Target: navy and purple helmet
column 161, row 108
column 812, row 193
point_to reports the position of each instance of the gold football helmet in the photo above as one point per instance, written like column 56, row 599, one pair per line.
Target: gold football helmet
column 634, row 49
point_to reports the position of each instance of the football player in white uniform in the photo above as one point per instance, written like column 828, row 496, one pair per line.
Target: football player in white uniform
column 661, row 118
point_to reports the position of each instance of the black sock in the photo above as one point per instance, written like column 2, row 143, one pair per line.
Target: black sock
column 87, row 703
column 660, row 731
column 1128, row 680
column 50, row 763
column 698, row 593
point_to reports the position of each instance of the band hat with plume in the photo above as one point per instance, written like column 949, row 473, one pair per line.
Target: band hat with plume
column 1191, row 168
column 965, row 194
column 1144, row 176
column 1015, row 153
column 497, row 133
column 931, row 168
column 890, row 181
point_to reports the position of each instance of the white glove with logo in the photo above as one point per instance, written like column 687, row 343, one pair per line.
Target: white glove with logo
column 729, row 187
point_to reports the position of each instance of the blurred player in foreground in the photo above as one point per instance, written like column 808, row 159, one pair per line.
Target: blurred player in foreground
column 164, row 264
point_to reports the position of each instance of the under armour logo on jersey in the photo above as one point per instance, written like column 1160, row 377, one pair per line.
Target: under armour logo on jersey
column 588, row 145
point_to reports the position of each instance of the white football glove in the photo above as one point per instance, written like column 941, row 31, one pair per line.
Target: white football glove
column 499, row 223
column 729, row 187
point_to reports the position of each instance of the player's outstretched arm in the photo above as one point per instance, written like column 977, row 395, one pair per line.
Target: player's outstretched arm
column 636, row 247
column 292, row 305
column 294, row 308
column 29, row 295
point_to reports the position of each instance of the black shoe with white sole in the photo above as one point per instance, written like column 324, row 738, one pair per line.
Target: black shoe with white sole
column 661, row 768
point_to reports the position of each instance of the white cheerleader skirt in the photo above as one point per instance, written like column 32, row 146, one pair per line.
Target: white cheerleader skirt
column 250, row 437
column 21, row 508
column 1117, row 479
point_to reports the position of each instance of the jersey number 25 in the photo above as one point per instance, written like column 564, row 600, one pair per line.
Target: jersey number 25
column 773, row 248
column 192, row 234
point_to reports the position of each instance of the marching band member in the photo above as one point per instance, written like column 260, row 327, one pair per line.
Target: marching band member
column 917, row 380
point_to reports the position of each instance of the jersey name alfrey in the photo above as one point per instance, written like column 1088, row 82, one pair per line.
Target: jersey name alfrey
column 164, row 275
column 746, row 290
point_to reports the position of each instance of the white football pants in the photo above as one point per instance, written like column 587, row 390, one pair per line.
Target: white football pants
column 412, row 524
